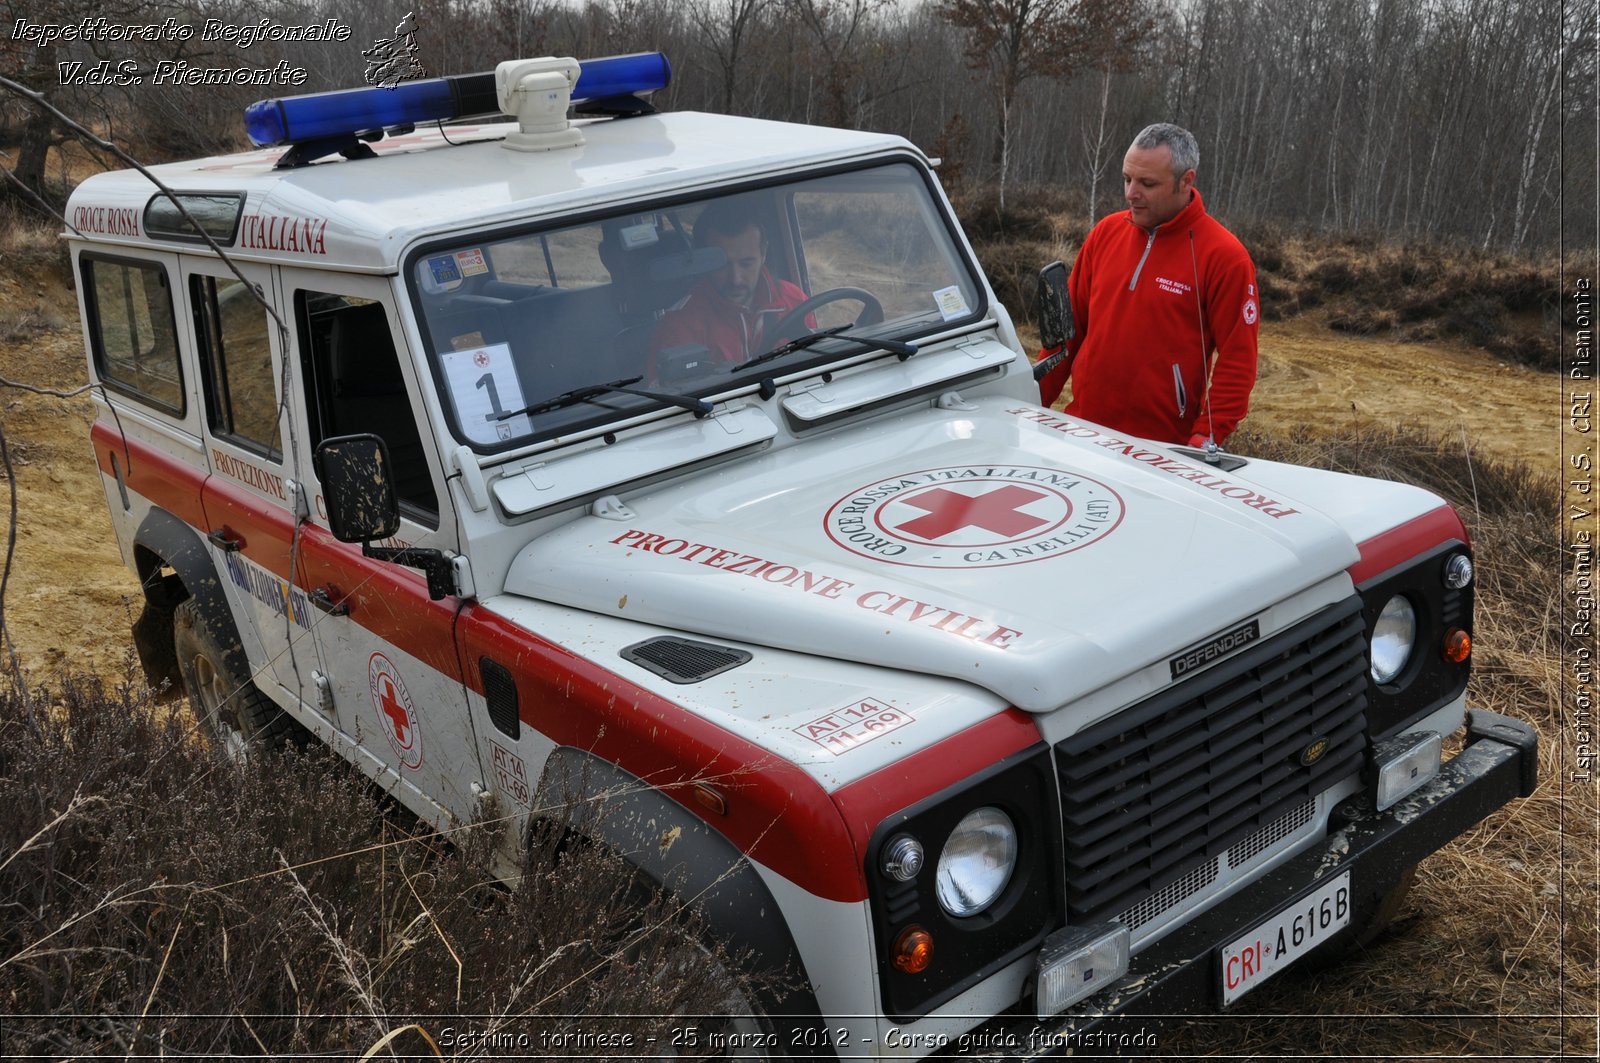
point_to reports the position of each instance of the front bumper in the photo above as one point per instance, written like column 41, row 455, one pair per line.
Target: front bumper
column 1181, row 974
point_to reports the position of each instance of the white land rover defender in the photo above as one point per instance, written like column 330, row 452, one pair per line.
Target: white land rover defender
column 970, row 717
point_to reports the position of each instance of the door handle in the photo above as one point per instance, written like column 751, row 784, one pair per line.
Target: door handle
column 324, row 601
column 223, row 539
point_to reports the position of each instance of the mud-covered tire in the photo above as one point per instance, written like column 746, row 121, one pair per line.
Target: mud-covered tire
column 233, row 713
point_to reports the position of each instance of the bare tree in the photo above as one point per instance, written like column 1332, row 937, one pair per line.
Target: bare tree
column 725, row 28
column 1011, row 42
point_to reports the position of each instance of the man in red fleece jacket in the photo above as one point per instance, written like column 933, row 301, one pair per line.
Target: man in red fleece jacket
column 730, row 311
column 1157, row 293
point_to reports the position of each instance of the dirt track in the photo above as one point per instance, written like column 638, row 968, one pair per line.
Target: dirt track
column 70, row 600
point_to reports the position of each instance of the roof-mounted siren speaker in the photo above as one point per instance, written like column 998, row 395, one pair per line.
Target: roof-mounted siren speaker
column 537, row 92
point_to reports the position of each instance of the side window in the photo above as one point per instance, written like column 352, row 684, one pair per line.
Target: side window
column 236, row 359
column 355, row 385
column 132, row 329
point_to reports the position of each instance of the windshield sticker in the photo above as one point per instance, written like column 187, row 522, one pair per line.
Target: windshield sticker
column 642, row 235
column 484, row 387
column 974, row 516
column 952, row 304
column 886, row 603
column 844, row 729
column 443, row 270
column 1196, row 474
column 471, row 262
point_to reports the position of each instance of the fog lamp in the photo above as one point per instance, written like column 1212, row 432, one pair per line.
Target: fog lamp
column 1405, row 763
column 1078, row 961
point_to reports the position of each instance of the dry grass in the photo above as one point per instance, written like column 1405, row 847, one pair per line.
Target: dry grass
column 1507, row 304
column 159, row 902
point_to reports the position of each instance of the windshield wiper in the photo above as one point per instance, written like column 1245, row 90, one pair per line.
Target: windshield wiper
column 904, row 350
column 589, row 392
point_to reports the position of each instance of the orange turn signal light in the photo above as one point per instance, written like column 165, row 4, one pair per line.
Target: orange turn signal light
column 913, row 950
column 1457, row 646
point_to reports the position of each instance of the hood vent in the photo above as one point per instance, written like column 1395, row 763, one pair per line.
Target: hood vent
column 680, row 660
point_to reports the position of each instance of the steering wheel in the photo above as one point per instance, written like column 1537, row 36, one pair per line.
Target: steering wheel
column 871, row 312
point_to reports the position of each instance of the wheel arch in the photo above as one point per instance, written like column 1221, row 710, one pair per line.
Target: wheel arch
column 678, row 851
column 163, row 542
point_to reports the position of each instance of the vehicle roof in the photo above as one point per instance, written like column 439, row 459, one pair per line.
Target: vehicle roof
column 361, row 214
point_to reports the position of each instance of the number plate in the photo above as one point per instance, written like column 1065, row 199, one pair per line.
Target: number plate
column 1269, row 948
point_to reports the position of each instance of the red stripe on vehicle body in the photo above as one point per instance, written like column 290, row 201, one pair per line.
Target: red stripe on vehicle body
column 387, row 599
column 777, row 814
column 167, row 482
column 1400, row 544
column 867, row 802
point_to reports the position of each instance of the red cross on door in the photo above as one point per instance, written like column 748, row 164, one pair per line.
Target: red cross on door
column 399, row 719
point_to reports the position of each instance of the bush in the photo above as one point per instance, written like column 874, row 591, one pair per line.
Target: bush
column 158, row 901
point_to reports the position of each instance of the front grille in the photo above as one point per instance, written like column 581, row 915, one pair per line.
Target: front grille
column 1164, row 787
column 1206, row 875
column 1269, row 836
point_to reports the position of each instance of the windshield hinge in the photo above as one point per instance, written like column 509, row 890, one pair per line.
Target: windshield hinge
column 610, row 507
column 472, row 479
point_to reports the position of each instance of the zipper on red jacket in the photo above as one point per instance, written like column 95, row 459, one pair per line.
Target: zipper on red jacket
column 1148, row 244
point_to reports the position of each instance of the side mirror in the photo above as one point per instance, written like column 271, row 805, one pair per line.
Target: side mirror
column 357, row 487
column 362, row 506
column 1054, row 306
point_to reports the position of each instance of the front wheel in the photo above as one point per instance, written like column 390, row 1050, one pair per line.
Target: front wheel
column 233, row 713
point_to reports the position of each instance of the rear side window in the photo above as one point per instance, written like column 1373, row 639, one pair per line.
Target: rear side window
column 241, row 403
column 132, row 329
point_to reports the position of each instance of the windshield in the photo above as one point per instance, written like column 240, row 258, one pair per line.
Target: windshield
column 670, row 302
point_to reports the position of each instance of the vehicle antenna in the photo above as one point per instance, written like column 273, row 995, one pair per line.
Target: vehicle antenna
column 1213, row 452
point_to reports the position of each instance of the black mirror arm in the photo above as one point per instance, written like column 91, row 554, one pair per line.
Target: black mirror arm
column 434, row 564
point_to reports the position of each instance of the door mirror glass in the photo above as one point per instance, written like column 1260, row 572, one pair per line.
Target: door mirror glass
column 358, row 486
column 1054, row 307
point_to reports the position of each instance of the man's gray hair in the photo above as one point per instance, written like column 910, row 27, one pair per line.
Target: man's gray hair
column 1185, row 152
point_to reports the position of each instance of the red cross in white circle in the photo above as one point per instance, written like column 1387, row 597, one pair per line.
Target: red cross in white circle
column 996, row 511
column 398, row 717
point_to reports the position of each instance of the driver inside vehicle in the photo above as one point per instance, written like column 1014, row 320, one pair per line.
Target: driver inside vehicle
column 731, row 310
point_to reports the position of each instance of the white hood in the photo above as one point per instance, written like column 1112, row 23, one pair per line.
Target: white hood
column 1004, row 546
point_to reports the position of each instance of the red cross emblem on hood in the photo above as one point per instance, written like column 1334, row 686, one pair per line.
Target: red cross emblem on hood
column 997, row 511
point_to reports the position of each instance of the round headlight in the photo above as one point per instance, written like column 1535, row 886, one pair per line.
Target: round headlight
column 1392, row 639
column 976, row 862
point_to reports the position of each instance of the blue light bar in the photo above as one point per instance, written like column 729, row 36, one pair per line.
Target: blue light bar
column 342, row 113
column 319, row 115
column 621, row 75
